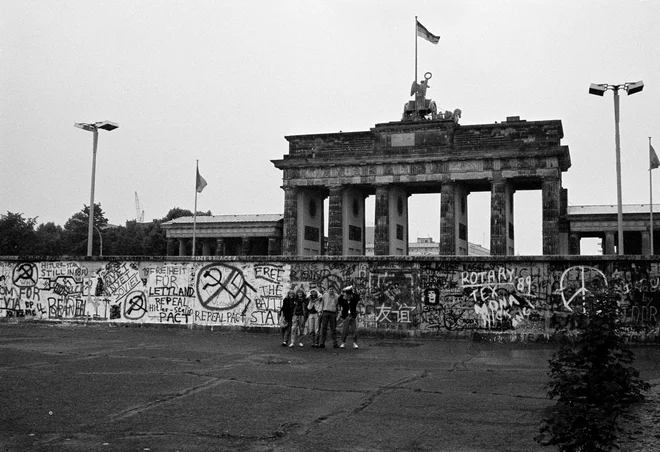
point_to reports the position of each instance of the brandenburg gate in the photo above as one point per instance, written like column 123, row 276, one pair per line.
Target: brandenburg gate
column 425, row 152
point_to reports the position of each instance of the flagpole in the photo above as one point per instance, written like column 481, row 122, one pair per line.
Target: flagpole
column 415, row 49
column 195, row 211
column 651, row 197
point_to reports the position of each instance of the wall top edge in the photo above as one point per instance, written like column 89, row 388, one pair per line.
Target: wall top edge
column 286, row 259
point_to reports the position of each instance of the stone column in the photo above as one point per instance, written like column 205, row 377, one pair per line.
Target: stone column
column 220, row 247
column 290, row 238
column 448, row 220
column 498, row 218
column 182, row 246
column 245, row 246
column 550, row 193
column 335, row 222
column 646, row 243
column 274, row 246
column 574, row 244
column 382, row 220
column 608, row 242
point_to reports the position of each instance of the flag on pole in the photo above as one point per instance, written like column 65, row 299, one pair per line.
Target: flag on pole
column 655, row 163
column 422, row 32
column 201, row 182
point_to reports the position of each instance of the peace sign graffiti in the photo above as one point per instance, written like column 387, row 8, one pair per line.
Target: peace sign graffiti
column 577, row 282
column 221, row 287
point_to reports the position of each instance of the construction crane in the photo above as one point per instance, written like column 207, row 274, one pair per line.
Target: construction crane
column 139, row 214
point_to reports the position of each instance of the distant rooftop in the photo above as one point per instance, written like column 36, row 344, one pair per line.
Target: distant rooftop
column 611, row 209
column 253, row 218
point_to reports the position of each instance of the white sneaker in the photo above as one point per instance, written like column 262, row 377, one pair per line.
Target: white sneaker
column 355, row 345
column 301, row 344
column 341, row 346
column 291, row 344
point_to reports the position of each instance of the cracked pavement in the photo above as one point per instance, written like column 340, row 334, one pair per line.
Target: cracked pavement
column 71, row 387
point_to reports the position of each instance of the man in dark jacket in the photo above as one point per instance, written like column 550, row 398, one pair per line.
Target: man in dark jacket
column 286, row 316
column 348, row 302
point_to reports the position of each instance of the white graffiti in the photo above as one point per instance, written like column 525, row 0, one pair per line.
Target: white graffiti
column 586, row 277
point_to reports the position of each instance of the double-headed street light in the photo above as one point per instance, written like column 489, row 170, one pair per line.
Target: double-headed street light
column 105, row 125
column 598, row 90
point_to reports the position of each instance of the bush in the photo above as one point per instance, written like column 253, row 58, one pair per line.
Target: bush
column 592, row 378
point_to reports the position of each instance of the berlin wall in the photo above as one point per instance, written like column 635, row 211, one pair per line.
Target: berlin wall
column 500, row 298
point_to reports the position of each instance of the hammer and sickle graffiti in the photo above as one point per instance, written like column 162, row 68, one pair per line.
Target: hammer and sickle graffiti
column 222, row 287
column 135, row 306
column 25, row 275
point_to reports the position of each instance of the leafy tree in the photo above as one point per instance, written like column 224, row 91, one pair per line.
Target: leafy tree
column 76, row 230
column 17, row 235
column 175, row 213
column 49, row 240
column 592, row 378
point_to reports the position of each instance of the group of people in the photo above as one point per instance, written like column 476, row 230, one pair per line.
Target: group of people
column 314, row 314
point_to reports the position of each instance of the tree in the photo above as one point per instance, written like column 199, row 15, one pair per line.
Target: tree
column 593, row 379
column 177, row 212
column 17, row 235
column 76, row 231
column 49, row 240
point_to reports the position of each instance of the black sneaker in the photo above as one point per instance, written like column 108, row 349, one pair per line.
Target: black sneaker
column 322, row 346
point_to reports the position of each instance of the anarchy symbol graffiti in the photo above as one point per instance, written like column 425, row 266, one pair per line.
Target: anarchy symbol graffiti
column 577, row 282
column 221, row 287
column 25, row 275
column 135, row 305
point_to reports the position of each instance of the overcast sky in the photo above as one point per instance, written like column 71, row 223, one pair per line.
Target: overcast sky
column 225, row 81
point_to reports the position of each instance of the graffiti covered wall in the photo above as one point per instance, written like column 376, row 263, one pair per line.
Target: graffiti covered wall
column 420, row 296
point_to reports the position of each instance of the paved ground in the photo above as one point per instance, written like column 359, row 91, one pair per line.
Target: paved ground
column 67, row 387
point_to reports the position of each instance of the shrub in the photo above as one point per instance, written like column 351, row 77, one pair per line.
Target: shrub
column 592, row 378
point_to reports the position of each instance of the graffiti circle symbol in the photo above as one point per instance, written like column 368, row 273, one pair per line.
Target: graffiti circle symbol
column 221, row 287
column 25, row 275
column 578, row 282
column 135, row 306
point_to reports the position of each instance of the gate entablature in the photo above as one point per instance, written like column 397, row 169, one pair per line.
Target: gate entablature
column 427, row 156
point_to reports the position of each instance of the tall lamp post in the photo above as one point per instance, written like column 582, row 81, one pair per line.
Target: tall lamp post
column 598, row 90
column 105, row 125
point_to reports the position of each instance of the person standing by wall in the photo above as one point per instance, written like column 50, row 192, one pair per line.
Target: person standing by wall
column 329, row 317
column 299, row 308
column 314, row 309
column 286, row 315
column 348, row 302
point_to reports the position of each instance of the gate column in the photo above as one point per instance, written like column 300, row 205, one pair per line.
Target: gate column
column 550, row 193
column 335, row 221
column 448, row 220
column 382, row 220
column 501, row 218
column 290, row 233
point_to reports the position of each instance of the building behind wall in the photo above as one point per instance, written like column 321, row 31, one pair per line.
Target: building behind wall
column 396, row 160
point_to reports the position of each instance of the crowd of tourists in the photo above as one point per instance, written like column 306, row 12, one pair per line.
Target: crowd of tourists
column 313, row 315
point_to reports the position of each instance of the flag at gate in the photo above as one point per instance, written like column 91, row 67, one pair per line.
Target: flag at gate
column 424, row 33
column 654, row 162
column 201, row 182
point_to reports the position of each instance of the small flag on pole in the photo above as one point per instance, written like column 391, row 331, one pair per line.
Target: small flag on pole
column 201, row 182
column 422, row 32
column 655, row 163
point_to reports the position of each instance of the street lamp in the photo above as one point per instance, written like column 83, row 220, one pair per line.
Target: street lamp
column 598, row 90
column 105, row 125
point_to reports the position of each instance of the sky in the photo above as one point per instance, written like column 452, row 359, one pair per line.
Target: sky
column 223, row 82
